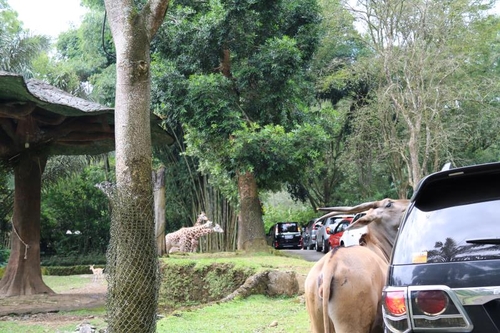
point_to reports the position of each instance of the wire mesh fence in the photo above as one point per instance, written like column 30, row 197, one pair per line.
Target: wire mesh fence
column 132, row 266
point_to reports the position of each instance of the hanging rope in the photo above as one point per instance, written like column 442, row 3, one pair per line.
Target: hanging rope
column 26, row 246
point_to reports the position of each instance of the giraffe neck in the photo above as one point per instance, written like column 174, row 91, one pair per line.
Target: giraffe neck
column 204, row 232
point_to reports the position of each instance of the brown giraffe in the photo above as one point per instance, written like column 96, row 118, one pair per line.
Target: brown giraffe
column 183, row 238
column 194, row 240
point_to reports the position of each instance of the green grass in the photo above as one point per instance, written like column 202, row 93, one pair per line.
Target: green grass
column 94, row 317
column 259, row 261
column 64, row 283
column 253, row 314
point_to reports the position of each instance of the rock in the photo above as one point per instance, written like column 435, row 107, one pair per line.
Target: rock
column 85, row 328
column 282, row 283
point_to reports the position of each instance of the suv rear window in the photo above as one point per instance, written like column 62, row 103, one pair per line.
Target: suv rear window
column 288, row 227
column 452, row 221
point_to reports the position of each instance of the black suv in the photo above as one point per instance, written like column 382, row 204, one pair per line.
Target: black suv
column 444, row 275
column 285, row 234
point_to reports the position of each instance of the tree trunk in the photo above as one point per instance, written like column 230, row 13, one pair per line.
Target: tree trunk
column 23, row 275
column 251, row 235
column 133, row 281
column 159, row 204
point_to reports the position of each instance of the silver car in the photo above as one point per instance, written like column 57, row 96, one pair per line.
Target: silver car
column 323, row 233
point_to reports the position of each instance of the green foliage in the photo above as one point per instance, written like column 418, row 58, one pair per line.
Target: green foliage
column 6, row 206
column 74, row 204
column 58, row 74
column 18, row 47
column 4, row 256
column 87, row 54
column 278, row 209
column 257, row 94
column 70, row 260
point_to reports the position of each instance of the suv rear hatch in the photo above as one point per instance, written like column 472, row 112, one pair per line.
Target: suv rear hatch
column 444, row 275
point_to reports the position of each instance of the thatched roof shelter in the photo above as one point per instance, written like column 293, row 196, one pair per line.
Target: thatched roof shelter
column 36, row 115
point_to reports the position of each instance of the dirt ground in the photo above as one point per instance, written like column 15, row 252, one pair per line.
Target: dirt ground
column 47, row 308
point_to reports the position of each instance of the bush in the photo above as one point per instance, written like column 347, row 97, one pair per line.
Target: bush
column 4, row 257
column 90, row 259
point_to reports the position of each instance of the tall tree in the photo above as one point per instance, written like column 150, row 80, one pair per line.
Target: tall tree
column 339, row 95
column 240, row 88
column 133, row 259
column 423, row 52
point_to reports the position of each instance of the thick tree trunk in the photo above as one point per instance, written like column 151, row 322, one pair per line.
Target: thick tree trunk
column 159, row 204
column 132, row 259
column 23, row 275
column 251, row 235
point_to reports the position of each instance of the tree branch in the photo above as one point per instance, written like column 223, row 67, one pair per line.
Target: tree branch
column 154, row 12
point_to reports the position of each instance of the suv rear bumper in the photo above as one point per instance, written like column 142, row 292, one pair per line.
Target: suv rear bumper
column 469, row 310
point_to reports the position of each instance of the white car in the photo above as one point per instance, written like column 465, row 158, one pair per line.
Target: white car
column 351, row 237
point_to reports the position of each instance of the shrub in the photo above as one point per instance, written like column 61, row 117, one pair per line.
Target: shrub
column 4, row 256
column 90, row 259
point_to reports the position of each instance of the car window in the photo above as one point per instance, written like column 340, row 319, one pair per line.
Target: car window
column 342, row 226
column 288, row 227
column 457, row 233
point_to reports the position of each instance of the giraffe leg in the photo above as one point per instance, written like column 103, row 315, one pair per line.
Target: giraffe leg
column 183, row 244
column 194, row 245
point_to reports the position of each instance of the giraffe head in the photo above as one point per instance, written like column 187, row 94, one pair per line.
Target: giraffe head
column 217, row 228
column 201, row 218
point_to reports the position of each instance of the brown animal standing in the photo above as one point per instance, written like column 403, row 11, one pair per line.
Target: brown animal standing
column 186, row 239
column 97, row 273
column 343, row 290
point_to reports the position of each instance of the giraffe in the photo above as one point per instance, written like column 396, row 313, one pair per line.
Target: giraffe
column 183, row 237
column 194, row 240
column 201, row 218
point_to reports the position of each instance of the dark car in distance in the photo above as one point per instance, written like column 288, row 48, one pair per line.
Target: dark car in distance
column 444, row 274
column 285, row 235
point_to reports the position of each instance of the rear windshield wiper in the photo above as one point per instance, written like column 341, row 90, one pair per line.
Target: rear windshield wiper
column 493, row 240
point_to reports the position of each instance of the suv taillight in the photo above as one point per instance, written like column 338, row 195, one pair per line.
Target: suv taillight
column 431, row 302
column 394, row 302
column 435, row 308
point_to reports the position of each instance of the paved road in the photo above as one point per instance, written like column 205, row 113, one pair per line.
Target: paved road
column 309, row 255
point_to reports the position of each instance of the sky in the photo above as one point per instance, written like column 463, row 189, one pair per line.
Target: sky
column 48, row 17
column 51, row 17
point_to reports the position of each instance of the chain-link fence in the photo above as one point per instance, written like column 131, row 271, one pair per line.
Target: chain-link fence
column 132, row 266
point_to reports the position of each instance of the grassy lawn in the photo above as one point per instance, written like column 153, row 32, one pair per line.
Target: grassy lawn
column 254, row 314
column 257, row 313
